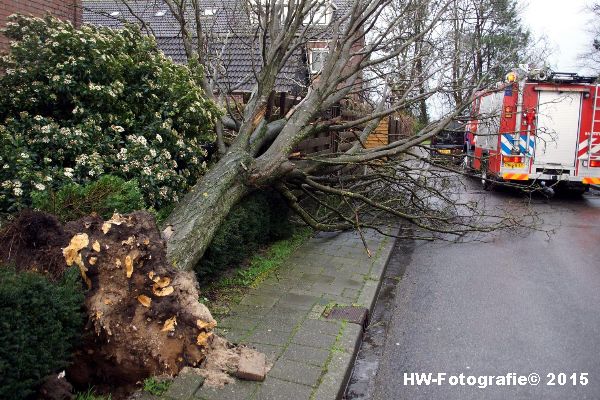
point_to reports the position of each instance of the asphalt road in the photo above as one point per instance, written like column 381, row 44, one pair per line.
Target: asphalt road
column 518, row 304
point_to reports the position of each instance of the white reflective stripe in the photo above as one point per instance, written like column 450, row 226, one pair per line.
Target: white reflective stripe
column 507, row 142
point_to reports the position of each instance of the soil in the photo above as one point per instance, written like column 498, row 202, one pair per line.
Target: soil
column 33, row 241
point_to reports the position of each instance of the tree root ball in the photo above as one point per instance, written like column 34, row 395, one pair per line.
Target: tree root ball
column 145, row 318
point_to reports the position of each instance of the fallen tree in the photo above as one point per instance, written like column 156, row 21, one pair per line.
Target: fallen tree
column 385, row 56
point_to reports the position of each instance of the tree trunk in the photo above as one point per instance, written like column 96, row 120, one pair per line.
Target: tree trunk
column 199, row 214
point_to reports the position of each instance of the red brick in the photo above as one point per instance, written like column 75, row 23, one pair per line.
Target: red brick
column 252, row 366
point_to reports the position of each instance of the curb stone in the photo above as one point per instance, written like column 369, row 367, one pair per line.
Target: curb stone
column 312, row 356
column 339, row 371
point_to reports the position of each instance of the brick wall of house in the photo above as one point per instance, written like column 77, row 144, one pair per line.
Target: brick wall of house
column 65, row 9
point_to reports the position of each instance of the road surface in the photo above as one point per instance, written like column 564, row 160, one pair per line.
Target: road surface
column 514, row 305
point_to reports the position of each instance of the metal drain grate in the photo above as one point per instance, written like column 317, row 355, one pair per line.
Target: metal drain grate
column 354, row 315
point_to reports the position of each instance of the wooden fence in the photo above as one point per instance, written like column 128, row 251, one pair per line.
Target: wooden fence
column 390, row 129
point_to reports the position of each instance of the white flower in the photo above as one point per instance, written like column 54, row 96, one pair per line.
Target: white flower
column 68, row 172
column 39, row 186
column 141, row 140
column 159, row 138
column 38, row 118
column 146, row 171
column 55, row 78
column 24, row 155
column 46, row 129
column 91, row 172
column 118, row 128
column 18, row 191
column 152, row 153
column 81, row 159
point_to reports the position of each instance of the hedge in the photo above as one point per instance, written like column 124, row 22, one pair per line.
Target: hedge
column 39, row 325
column 260, row 218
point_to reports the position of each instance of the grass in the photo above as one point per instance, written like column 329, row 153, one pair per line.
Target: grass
column 262, row 264
column 156, row 387
column 90, row 395
column 230, row 288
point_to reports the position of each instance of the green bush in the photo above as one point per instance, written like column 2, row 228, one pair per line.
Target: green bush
column 260, row 218
column 80, row 103
column 39, row 323
column 105, row 196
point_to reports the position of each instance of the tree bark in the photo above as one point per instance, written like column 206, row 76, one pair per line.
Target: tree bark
column 199, row 214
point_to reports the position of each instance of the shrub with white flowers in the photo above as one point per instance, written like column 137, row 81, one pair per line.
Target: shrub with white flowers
column 80, row 103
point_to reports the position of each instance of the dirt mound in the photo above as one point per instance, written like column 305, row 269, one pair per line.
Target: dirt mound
column 33, row 241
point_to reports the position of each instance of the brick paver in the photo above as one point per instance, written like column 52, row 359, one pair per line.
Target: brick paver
column 283, row 319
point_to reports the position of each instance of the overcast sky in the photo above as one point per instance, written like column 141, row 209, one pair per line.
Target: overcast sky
column 564, row 23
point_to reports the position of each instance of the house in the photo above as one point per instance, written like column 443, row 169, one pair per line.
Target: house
column 231, row 46
column 234, row 56
column 65, row 9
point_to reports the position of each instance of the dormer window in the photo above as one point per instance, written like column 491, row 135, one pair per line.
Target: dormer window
column 317, row 57
column 321, row 14
column 256, row 7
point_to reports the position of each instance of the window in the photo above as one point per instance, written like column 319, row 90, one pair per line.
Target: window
column 210, row 11
column 260, row 7
column 321, row 14
column 317, row 58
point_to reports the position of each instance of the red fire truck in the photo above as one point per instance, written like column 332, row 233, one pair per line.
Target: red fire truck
column 540, row 130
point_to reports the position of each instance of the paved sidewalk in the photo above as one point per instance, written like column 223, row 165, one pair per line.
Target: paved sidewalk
column 282, row 318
